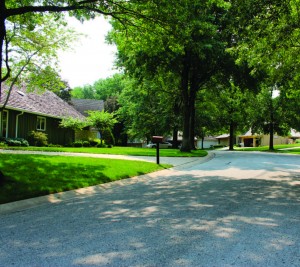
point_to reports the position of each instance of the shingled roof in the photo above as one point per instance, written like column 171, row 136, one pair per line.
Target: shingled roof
column 84, row 105
column 44, row 103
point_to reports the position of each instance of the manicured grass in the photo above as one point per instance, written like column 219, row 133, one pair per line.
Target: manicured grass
column 29, row 176
column 133, row 151
column 288, row 149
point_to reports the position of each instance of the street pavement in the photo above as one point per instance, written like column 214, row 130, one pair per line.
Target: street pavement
column 235, row 209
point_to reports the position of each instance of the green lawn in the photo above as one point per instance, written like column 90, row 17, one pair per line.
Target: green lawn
column 288, row 149
column 29, row 176
column 133, row 151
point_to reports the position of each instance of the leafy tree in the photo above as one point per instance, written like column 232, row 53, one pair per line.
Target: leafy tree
column 73, row 123
column 27, row 15
column 148, row 108
column 103, row 122
column 109, row 87
column 270, row 114
column 208, row 115
column 33, row 53
column 85, row 92
column 269, row 40
column 187, row 43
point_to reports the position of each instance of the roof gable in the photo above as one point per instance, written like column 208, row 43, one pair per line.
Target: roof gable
column 84, row 105
column 44, row 103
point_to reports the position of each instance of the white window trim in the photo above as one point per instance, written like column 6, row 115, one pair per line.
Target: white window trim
column 1, row 122
column 38, row 126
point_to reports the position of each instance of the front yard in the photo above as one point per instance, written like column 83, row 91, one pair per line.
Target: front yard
column 132, row 151
column 28, row 176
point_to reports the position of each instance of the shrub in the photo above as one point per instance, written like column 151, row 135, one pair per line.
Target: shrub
column 101, row 145
column 52, row 145
column 15, row 141
column 77, row 144
column 94, row 142
column 3, row 144
column 38, row 138
column 108, row 137
column 86, row 144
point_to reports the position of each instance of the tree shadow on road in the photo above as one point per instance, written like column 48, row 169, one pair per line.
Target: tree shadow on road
column 189, row 220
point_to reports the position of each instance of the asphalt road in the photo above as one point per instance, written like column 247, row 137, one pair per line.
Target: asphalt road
column 238, row 209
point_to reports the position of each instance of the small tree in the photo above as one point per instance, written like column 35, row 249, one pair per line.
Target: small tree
column 102, row 121
column 73, row 123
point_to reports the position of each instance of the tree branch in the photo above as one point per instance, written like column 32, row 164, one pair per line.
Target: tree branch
column 40, row 9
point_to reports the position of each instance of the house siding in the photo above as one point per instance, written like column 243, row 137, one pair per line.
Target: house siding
column 262, row 140
column 27, row 122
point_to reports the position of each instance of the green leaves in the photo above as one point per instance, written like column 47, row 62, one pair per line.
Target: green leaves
column 32, row 50
column 73, row 123
column 101, row 120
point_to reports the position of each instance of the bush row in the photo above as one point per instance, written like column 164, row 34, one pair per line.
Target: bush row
column 90, row 143
column 40, row 139
column 14, row 141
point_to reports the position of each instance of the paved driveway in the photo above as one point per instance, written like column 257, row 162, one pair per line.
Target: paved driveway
column 240, row 208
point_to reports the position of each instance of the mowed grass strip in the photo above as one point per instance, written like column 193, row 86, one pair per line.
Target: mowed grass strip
column 130, row 151
column 287, row 149
column 28, row 176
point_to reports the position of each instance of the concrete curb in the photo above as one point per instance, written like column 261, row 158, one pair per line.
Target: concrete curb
column 20, row 205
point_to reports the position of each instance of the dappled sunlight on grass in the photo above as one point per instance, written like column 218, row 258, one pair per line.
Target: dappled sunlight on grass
column 132, row 151
column 37, row 175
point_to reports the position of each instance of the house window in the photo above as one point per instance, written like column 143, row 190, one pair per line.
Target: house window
column 41, row 124
column 4, row 123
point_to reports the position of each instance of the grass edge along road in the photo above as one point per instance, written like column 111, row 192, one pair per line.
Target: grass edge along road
column 287, row 149
column 129, row 151
column 38, row 175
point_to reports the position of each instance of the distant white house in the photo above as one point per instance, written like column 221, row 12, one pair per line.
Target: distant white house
column 208, row 142
column 223, row 139
column 250, row 139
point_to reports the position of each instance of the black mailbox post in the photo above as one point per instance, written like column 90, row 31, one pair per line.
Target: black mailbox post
column 157, row 140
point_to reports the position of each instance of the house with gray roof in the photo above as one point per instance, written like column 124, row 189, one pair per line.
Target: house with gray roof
column 36, row 111
column 85, row 105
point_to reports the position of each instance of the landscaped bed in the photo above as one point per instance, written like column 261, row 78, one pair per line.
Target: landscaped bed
column 29, row 176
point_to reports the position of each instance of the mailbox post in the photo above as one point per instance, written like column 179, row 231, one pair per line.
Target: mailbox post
column 157, row 140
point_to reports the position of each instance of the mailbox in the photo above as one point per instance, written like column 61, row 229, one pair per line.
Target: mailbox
column 157, row 139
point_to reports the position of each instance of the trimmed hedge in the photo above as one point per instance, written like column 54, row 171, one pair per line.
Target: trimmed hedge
column 15, row 141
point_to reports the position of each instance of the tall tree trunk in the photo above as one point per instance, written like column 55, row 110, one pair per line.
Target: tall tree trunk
column 2, row 37
column 271, row 127
column 231, row 136
column 175, row 138
column 271, row 143
column 192, row 115
column 186, row 144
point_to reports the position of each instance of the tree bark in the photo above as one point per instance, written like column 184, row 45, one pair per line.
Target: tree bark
column 175, row 138
column 2, row 37
column 231, row 136
column 186, row 146
column 192, row 101
column 271, row 127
